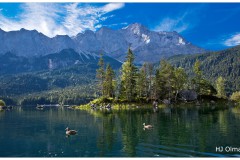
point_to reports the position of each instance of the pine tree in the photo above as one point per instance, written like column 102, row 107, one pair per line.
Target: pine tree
column 150, row 73
column 128, row 77
column 101, row 75
column 220, row 86
column 198, row 76
column 197, row 70
column 142, row 82
column 108, row 82
column 201, row 85
column 180, row 80
column 156, row 85
column 165, row 80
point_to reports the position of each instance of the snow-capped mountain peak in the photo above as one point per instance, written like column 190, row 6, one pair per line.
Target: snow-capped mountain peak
column 147, row 45
column 181, row 41
column 137, row 28
column 146, row 38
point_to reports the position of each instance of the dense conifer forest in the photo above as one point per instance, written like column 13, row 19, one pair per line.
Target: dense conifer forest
column 214, row 73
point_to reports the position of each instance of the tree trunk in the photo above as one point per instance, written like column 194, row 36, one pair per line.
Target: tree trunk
column 176, row 96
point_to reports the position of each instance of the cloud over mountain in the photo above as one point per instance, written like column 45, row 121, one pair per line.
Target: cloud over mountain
column 59, row 19
column 233, row 40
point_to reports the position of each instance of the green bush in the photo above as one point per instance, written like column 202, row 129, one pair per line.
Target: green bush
column 102, row 100
column 236, row 96
column 2, row 103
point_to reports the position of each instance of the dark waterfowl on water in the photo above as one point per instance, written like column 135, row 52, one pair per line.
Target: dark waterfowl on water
column 147, row 126
column 70, row 132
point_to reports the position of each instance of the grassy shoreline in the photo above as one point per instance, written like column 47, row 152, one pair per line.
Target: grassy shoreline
column 124, row 105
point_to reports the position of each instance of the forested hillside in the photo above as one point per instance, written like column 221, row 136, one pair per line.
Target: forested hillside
column 225, row 63
column 77, row 82
column 13, row 64
column 52, row 86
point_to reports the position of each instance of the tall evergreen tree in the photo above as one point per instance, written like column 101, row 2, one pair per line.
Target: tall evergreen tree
column 180, row 80
column 108, row 82
column 220, row 86
column 201, row 85
column 128, row 77
column 198, row 76
column 101, row 74
column 165, row 80
column 142, row 82
column 156, row 85
column 150, row 73
column 197, row 70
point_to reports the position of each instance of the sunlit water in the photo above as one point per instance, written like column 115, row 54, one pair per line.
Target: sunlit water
column 190, row 132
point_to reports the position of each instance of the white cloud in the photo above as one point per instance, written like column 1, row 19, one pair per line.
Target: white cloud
column 54, row 18
column 112, row 6
column 80, row 18
column 182, row 21
column 233, row 40
column 39, row 16
column 172, row 24
column 169, row 24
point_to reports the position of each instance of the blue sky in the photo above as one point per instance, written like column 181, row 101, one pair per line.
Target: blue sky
column 213, row 26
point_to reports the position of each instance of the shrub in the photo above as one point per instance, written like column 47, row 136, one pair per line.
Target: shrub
column 102, row 100
column 2, row 103
column 236, row 96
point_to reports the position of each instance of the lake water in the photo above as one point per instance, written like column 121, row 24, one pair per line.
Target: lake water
column 178, row 132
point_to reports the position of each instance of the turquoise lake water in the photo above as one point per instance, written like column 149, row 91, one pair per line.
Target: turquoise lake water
column 178, row 132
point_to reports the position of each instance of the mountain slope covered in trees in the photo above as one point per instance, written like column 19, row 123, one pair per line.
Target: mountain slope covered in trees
column 13, row 64
column 71, row 80
column 225, row 63
column 54, row 78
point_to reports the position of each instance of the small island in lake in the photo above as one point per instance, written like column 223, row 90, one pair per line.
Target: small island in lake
column 152, row 85
column 119, row 79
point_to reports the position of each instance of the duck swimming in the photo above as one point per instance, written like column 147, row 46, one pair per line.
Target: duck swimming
column 70, row 132
column 147, row 126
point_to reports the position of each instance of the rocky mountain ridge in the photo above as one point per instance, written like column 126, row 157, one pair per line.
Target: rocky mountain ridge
column 147, row 45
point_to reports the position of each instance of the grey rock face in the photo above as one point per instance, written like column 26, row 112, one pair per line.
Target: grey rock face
column 147, row 45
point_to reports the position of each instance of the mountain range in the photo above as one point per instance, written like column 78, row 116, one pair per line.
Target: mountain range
column 148, row 46
column 36, row 67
